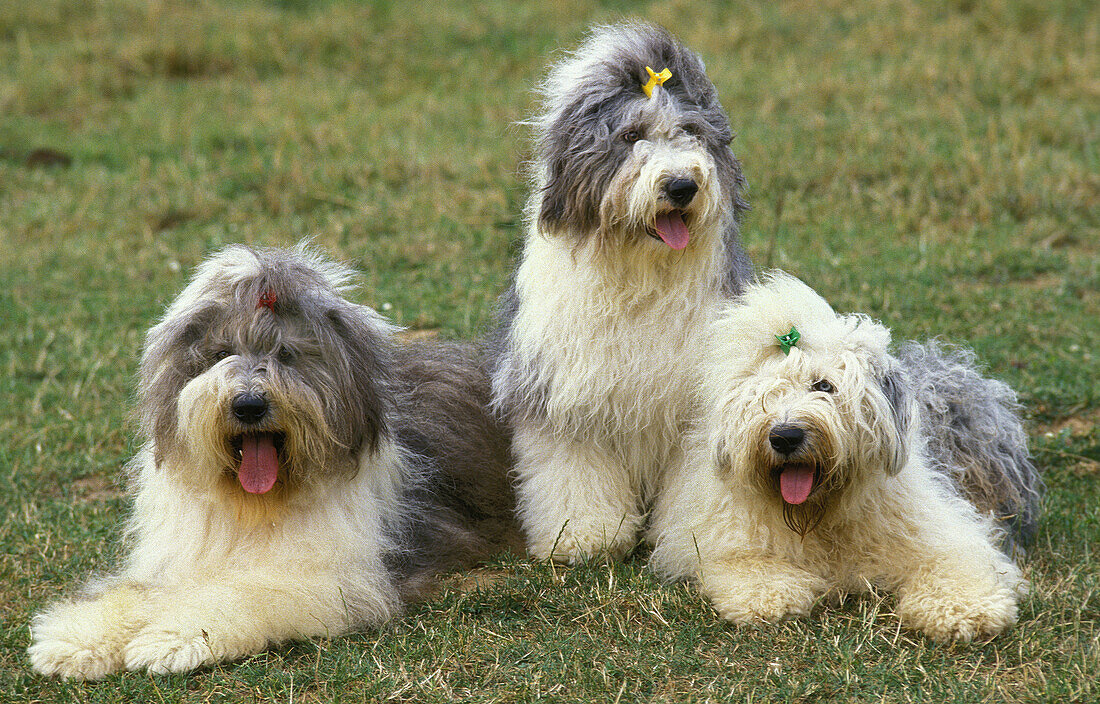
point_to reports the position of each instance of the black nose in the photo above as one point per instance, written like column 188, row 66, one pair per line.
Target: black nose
column 681, row 190
column 250, row 408
column 785, row 439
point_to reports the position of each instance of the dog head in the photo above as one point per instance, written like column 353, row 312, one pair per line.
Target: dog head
column 801, row 423
column 261, row 375
column 629, row 168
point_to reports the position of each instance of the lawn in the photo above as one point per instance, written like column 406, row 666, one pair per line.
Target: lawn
column 936, row 165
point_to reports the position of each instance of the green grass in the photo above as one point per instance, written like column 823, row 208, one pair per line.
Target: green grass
column 934, row 165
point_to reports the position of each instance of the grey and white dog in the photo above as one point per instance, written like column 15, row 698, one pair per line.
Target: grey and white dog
column 813, row 469
column 302, row 475
column 632, row 241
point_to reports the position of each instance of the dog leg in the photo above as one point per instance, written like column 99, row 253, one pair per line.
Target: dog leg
column 84, row 639
column 745, row 589
column 575, row 500
column 961, row 596
column 200, row 624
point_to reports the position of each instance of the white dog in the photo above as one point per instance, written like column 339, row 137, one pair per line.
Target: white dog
column 632, row 241
column 301, row 475
column 807, row 473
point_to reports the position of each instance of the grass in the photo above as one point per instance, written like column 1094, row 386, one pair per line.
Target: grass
column 934, row 165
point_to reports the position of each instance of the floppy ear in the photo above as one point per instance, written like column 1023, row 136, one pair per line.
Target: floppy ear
column 720, row 455
column 169, row 360
column 575, row 181
column 581, row 159
column 896, row 392
column 363, row 360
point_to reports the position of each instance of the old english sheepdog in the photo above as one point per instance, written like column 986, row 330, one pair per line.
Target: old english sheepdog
column 632, row 241
column 302, row 475
column 812, row 469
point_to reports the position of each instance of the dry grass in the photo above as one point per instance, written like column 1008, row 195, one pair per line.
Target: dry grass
column 934, row 165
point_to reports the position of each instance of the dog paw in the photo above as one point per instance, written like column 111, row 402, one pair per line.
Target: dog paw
column 73, row 659
column 950, row 614
column 77, row 640
column 577, row 543
column 572, row 552
column 572, row 547
column 752, row 601
column 766, row 607
column 163, row 651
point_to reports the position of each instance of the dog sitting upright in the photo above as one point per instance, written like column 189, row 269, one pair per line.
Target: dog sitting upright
column 301, row 476
column 632, row 243
column 807, row 473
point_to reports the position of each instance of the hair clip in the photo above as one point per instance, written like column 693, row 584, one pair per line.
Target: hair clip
column 267, row 300
column 786, row 342
column 655, row 79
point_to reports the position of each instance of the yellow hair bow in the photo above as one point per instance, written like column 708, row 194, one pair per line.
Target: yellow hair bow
column 655, row 79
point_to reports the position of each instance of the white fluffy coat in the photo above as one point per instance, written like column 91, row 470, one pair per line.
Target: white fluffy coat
column 888, row 521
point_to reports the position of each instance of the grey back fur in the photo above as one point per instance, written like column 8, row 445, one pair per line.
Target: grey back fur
column 466, row 501
column 975, row 434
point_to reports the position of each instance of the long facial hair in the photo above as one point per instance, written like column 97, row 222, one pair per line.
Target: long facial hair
column 803, row 518
column 330, row 397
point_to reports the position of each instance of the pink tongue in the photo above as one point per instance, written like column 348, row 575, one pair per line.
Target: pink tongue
column 796, row 482
column 670, row 226
column 259, row 463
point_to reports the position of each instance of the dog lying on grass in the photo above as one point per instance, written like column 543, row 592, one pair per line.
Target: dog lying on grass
column 808, row 472
column 302, row 475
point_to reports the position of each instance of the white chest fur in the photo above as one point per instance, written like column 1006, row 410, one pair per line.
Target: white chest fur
column 617, row 352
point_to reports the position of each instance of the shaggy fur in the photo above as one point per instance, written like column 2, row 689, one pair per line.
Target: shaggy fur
column 807, row 473
column 632, row 240
column 973, row 433
column 300, row 476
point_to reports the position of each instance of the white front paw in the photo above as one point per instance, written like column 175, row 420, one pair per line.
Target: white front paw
column 578, row 540
column 162, row 651
column 76, row 640
column 73, row 659
column 953, row 615
column 765, row 604
column 761, row 592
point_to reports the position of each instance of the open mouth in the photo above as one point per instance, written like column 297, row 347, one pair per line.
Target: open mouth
column 258, row 455
column 672, row 229
column 796, row 481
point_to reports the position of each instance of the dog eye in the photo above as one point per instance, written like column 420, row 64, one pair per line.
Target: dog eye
column 631, row 136
column 286, row 355
column 824, row 386
column 221, row 354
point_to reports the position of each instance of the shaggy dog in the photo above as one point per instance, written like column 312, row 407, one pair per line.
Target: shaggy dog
column 301, row 476
column 809, row 472
column 632, row 241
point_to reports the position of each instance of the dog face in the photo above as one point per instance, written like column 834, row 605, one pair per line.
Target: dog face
column 653, row 171
column 262, row 375
column 800, row 427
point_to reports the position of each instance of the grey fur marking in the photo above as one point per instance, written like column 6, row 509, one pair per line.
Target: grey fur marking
column 466, row 505
column 517, row 387
column 975, row 434
column 895, row 389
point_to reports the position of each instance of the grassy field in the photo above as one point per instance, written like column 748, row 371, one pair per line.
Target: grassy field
column 936, row 168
